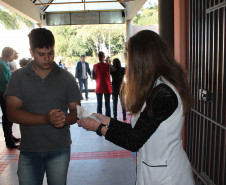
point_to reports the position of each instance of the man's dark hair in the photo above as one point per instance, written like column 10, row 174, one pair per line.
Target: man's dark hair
column 40, row 38
column 24, row 62
column 83, row 56
column 101, row 55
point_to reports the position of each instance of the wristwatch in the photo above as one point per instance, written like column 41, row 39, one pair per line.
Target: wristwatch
column 98, row 131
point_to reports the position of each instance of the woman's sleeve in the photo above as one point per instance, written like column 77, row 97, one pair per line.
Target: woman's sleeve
column 161, row 104
column 111, row 68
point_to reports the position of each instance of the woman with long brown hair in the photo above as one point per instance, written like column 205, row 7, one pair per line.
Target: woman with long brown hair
column 157, row 94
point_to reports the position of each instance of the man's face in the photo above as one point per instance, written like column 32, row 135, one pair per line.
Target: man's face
column 83, row 59
column 43, row 57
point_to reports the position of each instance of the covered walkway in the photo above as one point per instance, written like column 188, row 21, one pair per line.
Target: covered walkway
column 94, row 160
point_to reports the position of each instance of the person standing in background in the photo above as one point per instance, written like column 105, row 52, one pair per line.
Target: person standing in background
column 24, row 61
column 117, row 78
column 65, row 67
column 5, row 74
column 101, row 73
column 108, row 60
column 81, row 73
column 61, row 64
column 12, row 65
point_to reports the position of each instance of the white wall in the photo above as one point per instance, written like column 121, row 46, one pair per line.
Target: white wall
column 154, row 28
column 16, row 39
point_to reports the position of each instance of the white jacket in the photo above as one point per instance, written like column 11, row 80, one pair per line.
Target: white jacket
column 162, row 160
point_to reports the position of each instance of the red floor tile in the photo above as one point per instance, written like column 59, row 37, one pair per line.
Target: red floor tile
column 101, row 155
column 3, row 166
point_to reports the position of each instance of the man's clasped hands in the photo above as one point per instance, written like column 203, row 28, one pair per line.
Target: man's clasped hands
column 57, row 118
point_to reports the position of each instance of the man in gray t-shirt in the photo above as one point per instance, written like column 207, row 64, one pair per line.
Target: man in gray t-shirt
column 38, row 97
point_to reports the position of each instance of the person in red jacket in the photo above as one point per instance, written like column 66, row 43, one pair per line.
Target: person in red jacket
column 101, row 73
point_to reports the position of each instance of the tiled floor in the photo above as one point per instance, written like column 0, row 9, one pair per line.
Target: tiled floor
column 94, row 160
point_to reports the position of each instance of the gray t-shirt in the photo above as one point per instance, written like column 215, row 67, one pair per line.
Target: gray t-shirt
column 39, row 96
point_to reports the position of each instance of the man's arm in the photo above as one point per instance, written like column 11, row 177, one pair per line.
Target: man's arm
column 93, row 73
column 76, row 71
column 111, row 68
column 89, row 72
column 16, row 114
column 71, row 118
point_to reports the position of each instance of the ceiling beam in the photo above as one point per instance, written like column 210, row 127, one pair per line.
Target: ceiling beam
column 47, row 6
column 123, row 4
column 83, row 2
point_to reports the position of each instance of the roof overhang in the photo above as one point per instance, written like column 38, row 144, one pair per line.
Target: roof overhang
column 75, row 12
column 26, row 9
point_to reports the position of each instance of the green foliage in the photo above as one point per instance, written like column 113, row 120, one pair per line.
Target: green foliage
column 8, row 20
column 148, row 16
column 73, row 41
column 13, row 21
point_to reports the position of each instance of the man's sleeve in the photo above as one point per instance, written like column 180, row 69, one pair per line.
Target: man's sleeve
column 5, row 76
column 76, row 71
column 89, row 69
column 73, row 92
column 14, row 86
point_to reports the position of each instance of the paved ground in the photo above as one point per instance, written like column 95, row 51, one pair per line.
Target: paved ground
column 94, row 161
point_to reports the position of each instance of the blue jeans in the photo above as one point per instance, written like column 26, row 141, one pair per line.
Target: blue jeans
column 107, row 104
column 85, row 82
column 32, row 167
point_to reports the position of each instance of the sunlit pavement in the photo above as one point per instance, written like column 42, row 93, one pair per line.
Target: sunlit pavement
column 94, row 160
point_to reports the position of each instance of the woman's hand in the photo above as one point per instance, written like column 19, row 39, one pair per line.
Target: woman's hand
column 88, row 124
column 103, row 119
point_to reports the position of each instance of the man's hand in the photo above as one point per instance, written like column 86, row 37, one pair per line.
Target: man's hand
column 56, row 118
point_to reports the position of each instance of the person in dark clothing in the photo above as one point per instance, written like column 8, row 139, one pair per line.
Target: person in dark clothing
column 24, row 61
column 82, row 71
column 5, row 74
column 157, row 94
column 117, row 78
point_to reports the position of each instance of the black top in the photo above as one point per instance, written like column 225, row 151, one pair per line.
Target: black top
column 161, row 103
column 117, row 77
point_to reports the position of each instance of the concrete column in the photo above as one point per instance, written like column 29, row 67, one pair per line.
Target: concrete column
column 129, row 29
column 166, row 21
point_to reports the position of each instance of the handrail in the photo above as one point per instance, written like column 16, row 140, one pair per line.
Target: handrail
column 218, row 124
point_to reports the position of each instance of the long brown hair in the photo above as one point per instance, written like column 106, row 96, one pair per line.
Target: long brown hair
column 148, row 58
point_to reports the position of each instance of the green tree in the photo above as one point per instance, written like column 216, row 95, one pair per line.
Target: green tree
column 13, row 21
column 148, row 16
column 73, row 41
